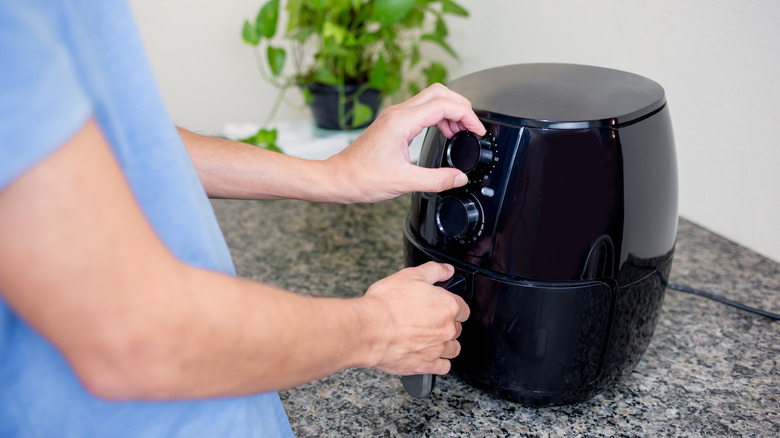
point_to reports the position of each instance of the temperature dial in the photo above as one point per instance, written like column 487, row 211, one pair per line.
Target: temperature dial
column 472, row 154
column 459, row 218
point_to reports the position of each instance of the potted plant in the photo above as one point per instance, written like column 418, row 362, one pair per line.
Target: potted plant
column 347, row 55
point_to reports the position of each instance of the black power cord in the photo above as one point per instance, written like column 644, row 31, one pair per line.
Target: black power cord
column 770, row 315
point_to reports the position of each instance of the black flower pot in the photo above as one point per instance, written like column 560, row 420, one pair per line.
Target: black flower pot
column 328, row 110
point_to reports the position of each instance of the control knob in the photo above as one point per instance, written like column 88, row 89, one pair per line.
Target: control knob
column 458, row 218
column 471, row 154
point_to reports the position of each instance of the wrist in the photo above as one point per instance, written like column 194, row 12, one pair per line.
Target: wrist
column 372, row 343
column 341, row 184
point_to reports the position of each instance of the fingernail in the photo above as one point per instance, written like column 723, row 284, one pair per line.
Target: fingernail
column 460, row 180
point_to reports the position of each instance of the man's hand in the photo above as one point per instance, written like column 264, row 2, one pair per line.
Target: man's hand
column 377, row 166
column 414, row 323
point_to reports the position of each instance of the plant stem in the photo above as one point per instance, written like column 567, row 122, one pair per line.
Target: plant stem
column 275, row 108
column 268, row 77
column 342, row 102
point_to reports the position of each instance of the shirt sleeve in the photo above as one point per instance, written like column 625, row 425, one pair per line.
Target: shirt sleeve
column 42, row 102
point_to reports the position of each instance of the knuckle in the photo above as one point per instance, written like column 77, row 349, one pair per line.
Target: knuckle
column 455, row 305
column 437, row 87
column 391, row 110
column 458, row 330
column 451, row 332
column 390, row 114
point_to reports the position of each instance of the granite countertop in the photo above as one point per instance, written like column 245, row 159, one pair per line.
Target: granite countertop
column 710, row 370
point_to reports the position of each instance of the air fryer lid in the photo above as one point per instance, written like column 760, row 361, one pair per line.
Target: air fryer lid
column 560, row 96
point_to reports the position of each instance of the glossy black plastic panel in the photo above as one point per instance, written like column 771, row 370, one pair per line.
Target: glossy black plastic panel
column 649, row 194
column 564, row 197
column 552, row 346
column 525, row 340
column 560, row 96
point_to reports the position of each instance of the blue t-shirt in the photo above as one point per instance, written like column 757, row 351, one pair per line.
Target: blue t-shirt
column 62, row 62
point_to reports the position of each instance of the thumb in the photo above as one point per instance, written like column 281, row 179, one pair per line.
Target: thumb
column 433, row 272
column 423, row 179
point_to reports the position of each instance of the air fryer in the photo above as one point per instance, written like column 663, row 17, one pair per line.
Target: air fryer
column 563, row 238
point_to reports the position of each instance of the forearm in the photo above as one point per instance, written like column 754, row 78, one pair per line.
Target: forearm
column 235, row 170
column 206, row 334
column 214, row 335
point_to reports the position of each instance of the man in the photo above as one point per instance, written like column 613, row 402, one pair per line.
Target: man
column 120, row 312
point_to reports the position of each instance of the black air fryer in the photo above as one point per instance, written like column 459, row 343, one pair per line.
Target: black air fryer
column 563, row 238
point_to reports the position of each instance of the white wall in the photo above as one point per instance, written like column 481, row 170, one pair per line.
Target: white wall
column 206, row 73
column 718, row 60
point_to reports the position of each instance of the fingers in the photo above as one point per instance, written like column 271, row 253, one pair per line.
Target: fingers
column 435, row 91
column 454, row 126
column 445, row 109
column 442, row 365
column 423, row 179
column 463, row 311
column 433, row 272
column 451, row 350
column 439, row 110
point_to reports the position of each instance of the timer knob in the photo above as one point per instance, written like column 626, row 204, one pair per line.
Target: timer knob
column 458, row 218
column 472, row 154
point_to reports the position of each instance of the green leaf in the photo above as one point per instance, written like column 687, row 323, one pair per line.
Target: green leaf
column 325, row 77
column 307, row 96
column 293, row 13
column 319, row 5
column 276, row 59
column 332, row 49
column 366, row 39
column 436, row 72
column 267, row 17
column 333, row 30
column 393, row 81
column 415, row 56
column 392, row 11
column 450, row 7
column 265, row 138
column 336, row 6
column 376, row 76
column 249, row 34
column 351, row 64
column 361, row 114
column 441, row 27
column 414, row 19
column 301, row 34
column 440, row 41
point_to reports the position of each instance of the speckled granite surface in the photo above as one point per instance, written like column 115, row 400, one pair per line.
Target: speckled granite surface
column 711, row 370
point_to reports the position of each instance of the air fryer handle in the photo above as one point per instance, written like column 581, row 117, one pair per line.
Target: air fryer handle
column 420, row 385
